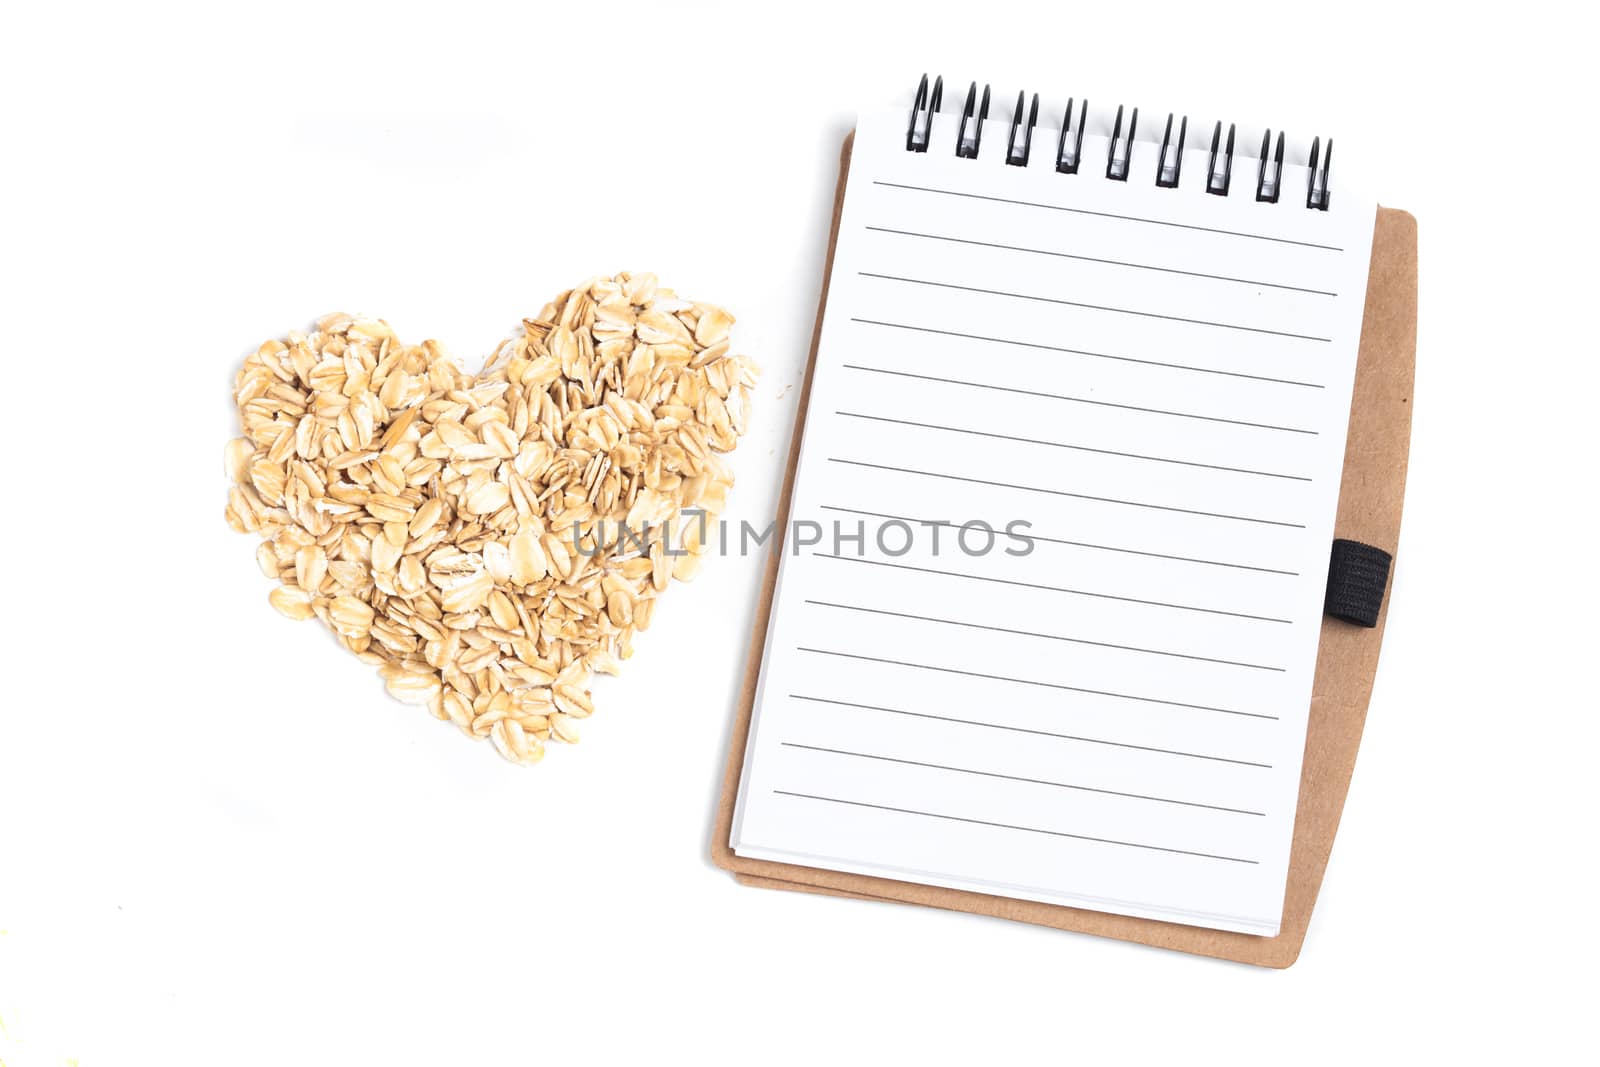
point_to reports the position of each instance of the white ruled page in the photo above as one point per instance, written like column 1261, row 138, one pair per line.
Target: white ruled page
column 1144, row 393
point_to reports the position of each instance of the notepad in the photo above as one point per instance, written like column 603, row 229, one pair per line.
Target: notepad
column 1049, row 604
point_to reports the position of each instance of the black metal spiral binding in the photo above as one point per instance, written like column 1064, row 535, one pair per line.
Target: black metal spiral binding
column 917, row 140
column 1119, row 153
column 965, row 148
column 1018, row 157
column 1267, row 190
column 1066, row 164
column 1215, row 183
column 1117, row 168
column 1169, row 169
column 1317, row 182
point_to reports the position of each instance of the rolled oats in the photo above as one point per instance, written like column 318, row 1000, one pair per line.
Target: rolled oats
column 465, row 533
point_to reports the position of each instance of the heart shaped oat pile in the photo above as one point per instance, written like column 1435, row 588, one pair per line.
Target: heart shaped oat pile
column 489, row 541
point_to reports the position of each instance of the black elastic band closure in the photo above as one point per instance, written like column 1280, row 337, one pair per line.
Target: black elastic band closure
column 1358, row 574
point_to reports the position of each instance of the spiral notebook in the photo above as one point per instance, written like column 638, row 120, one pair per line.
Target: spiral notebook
column 1045, row 622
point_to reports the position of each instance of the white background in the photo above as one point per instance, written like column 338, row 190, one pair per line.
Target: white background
column 221, row 843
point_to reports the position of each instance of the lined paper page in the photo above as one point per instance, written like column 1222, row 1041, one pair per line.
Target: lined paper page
column 1144, row 393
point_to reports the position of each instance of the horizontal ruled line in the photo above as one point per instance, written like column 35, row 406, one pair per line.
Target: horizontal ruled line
column 1020, row 778
column 1025, row 730
column 1049, row 588
column 1036, row 682
column 1011, row 826
column 1066, row 493
column 1094, row 307
column 1045, row 636
column 1074, row 544
column 1106, row 262
column 1112, row 215
column 1074, row 399
column 1075, row 448
column 1085, row 352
